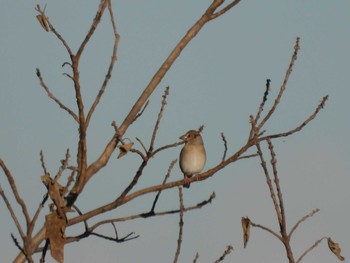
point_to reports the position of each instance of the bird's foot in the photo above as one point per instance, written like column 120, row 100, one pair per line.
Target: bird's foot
column 187, row 182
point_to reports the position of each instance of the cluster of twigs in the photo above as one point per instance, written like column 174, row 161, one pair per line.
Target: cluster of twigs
column 64, row 197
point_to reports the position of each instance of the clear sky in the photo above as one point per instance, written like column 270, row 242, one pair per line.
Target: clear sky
column 218, row 81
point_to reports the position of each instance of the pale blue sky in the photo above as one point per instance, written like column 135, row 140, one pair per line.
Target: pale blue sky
column 218, row 81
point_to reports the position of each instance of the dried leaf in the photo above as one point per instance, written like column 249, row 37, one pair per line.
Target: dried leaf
column 246, row 229
column 55, row 232
column 124, row 149
column 335, row 248
column 55, row 193
column 43, row 21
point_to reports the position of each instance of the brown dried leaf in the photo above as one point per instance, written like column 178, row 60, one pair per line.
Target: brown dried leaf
column 55, row 229
column 246, row 229
column 55, row 193
column 124, row 149
column 43, row 21
column 335, row 248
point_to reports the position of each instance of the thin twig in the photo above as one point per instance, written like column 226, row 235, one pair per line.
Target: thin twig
column 248, row 156
column 181, row 224
column 266, row 172
column 301, row 126
column 164, row 181
column 225, row 9
column 12, row 212
column 111, row 65
column 139, row 114
column 267, row 229
column 196, row 258
column 53, row 30
column 64, row 164
column 51, row 96
column 262, row 104
column 310, row 248
column 142, row 145
column 284, row 85
column 155, row 214
column 278, row 188
column 16, row 193
column 160, row 115
column 225, row 146
column 42, row 161
column 93, row 26
column 228, row 250
column 302, row 220
column 17, row 244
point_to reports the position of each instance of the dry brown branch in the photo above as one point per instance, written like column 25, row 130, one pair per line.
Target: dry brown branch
column 53, row 30
column 64, row 164
column 18, row 245
column 225, row 146
column 12, row 212
column 248, row 156
column 164, row 181
column 160, row 115
column 181, row 224
column 302, row 220
column 69, row 181
column 262, row 104
column 42, row 161
column 166, row 147
column 111, row 65
column 309, row 249
column 225, row 9
column 267, row 229
column 228, row 250
column 196, row 258
column 93, row 26
column 269, row 183
column 15, row 193
column 278, row 189
column 51, row 96
column 301, row 126
column 141, row 111
column 35, row 218
column 284, row 85
column 155, row 214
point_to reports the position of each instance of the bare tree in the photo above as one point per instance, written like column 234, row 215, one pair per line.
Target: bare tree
column 78, row 172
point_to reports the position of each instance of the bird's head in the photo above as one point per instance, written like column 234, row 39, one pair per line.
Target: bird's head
column 193, row 137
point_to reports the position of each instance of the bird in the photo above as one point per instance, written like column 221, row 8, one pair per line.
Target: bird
column 192, row 155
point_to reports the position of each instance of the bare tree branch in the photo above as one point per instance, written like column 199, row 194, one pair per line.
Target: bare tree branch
column 310, row 248
column 284, row 85
column 16, row 194
column 42, row 161
column 51, row 96
column 164, row 181
column 302, row 220
column 228, row 250
column 95, row 23
column 181, row 224
column 225, row 146
column 301, row 126
column 160, row 115
column 267, row 229
column 111, row 65
column 12, row 212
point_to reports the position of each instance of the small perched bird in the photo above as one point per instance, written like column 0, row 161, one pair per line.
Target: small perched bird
column 192, row 155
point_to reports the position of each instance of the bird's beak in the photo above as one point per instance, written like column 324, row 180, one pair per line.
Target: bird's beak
column 183, row 137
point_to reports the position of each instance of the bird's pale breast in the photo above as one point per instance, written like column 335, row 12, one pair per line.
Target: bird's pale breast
column 192, row 159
